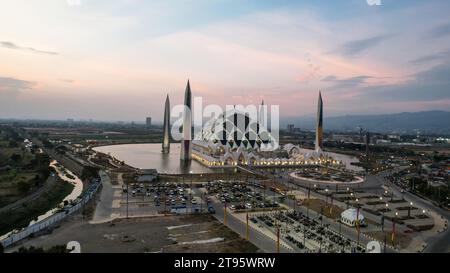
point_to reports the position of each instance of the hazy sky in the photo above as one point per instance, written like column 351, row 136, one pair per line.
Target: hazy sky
column 117, row 59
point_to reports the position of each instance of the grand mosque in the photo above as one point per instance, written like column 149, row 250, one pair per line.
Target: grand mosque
column 235, row 139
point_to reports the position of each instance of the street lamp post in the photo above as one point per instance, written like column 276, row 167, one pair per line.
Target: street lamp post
column 127, row 197
column 278, row 239
column 410, row 208
column 351, row 195
column 247, row 228
column 348, row 199
column 190, row 174
column 340, row 235
column 393, row 228
column 382, row 217
column 321, row 225
column 225, row 214
column 309, row 190
column 382, row 227
column 201, row 202
column 357, row 221
column 295, row 205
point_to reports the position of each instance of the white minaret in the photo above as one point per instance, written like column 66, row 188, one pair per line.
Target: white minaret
column 186, row 143
column 262, row 116
column 166, row 128
column 319, row 125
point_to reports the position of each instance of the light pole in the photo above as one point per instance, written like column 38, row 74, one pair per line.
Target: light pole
column 201, row 202
column 278, row 239
column 247, row 228
column 348, row 198
column 393, row 228
column 309, row 191
column 127, row 197
column 382, row 226
column 321, row 225
column 357, row 221
column 190, row 174
column 410, row 208
column 225, row 214
column 340, row 235
column 381, row 201
column 326, row 197
column 295, row 205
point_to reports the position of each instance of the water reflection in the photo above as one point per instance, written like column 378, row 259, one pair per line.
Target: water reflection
column 149, row 156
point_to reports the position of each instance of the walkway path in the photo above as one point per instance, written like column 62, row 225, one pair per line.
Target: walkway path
column 104, row 207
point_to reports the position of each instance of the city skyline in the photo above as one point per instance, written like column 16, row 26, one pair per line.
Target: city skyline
column 58, row 67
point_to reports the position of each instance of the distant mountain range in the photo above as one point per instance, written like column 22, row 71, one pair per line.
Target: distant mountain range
column 426, row 122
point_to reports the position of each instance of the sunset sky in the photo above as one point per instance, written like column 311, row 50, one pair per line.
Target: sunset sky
column 117, row 59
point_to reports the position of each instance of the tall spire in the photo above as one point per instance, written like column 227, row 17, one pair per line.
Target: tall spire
column 261, row 117
column 166, row 128
column 186, row 145
column 319, row 125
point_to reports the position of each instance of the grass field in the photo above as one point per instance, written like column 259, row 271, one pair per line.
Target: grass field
column 13, row 185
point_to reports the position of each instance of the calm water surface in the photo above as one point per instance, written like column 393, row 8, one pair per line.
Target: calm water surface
column 149, row 156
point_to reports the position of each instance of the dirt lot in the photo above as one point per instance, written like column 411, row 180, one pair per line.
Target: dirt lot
column 199, row 233
column 320, row 206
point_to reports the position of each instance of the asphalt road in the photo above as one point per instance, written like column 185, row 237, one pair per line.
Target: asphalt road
column 104, row 208
column 439, row 243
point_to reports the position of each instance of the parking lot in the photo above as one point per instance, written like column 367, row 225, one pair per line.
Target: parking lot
column 304, row 233
column 157, row 198
column 241, row 196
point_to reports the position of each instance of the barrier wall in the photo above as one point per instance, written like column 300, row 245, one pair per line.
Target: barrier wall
column 53, row 219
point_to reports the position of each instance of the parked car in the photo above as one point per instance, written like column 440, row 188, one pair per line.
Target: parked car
column 211, row 210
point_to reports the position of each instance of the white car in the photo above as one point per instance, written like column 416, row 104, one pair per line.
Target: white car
column 194, row 201
column 248, row 206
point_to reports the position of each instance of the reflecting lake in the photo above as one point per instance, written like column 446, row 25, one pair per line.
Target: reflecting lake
column 149, row 156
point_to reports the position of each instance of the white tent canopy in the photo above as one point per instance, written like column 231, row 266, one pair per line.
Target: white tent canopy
column 350, row 216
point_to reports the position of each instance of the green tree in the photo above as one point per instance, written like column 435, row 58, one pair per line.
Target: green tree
column 13, row 144
column 16, row 158
column 23, row 186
